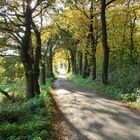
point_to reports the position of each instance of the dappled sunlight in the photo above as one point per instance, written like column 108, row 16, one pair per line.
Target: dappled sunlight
column 91, row 116
column 62, row 91
column 47, row 44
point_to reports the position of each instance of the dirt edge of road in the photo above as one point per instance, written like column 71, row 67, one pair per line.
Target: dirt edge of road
column 60, row 130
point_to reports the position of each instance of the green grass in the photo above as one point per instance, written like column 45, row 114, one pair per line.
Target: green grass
column 110, row 90
column 27, row 119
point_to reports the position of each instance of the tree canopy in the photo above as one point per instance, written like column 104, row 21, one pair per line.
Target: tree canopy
column 98, row 39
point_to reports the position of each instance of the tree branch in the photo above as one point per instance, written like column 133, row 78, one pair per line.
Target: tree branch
column 5, row 94
column 109, row 2
column 6, row 55
column 81, row 10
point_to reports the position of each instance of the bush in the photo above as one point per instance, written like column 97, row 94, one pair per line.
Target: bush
column 125, row 77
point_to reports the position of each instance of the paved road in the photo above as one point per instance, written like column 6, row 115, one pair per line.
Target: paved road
column 90, row 116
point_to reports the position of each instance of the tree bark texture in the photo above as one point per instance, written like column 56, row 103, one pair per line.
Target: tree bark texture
column 85, row 67
column 26, row 58
column 104, row 43
column 73, row 61
column 80, row 63
column 49, row 63
column 37, row 60
column 92, row 42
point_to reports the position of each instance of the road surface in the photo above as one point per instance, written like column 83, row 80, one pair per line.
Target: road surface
column 89, row 116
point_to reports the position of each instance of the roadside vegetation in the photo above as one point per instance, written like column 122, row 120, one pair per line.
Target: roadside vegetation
column 22, row 119
column 113, row 91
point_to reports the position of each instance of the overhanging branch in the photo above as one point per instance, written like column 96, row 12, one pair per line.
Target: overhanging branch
column 111, row 1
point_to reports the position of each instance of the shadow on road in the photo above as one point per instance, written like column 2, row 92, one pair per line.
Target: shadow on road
column 71, row 127
column 102, row 119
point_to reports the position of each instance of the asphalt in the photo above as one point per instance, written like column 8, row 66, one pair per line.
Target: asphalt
column 89, row 116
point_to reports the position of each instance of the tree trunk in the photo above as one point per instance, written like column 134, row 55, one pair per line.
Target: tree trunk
column 80, row 63
column 84, row 74
column 132, row 27
column 93, row 67
column 25, row 54
column 36, row 85
column 104, row 43
column 73, row 61
column 37, row 60
column 49, row 63
column 43, row 73
column 30, row 84
column 69, row 65
column 92, row 41
column 29, row 74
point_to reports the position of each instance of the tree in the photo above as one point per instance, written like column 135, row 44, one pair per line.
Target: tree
column 50, row 52
column 104, row 43
column 17, row 19
column 92, row 40
column 25, row 52
column 89, row 10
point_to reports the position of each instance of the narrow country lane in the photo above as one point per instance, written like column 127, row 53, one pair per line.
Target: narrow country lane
column 89, row 116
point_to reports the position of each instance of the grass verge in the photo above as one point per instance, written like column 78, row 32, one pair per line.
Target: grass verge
column 27, row 119
column 132, row 99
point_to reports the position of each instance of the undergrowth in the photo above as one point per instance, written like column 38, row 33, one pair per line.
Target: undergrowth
column 27, row 119
column 110, row 90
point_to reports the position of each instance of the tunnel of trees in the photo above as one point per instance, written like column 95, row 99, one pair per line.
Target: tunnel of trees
column 100, row 39
column 97, row 41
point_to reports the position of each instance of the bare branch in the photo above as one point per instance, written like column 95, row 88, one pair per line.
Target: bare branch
column 13, row 33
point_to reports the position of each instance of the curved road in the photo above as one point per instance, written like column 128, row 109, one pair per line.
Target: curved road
column 89, row 116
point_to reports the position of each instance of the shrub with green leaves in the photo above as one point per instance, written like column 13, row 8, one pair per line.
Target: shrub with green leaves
column 125, row 77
